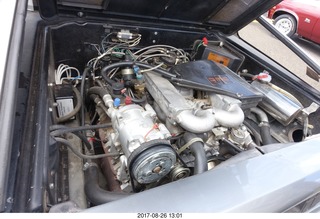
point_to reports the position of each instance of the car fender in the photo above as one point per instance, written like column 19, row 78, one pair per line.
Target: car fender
column 281, row 11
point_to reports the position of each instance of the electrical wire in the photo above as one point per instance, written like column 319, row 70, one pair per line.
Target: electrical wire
column 83, row 156
column 153, row 68
column 103, row 42
column 154, row 55
column 67, row 70
column 152, row 51
column 132, row 97
column 96, row 46
column 128, row 43
column 90, row 62
column 159, row 46
column 112, row 72
column 107, row 68
column 160, row 51
column 132, row 43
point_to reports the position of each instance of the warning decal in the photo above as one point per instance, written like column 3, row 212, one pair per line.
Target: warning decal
column 218, row 79
column 218, row 58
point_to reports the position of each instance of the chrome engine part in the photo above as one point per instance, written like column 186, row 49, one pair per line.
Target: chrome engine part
column 240, row 136
column 226, row 111
column 281, row 107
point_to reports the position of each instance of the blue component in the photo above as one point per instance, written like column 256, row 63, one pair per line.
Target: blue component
column 116, row 102
column 139, row 76
column 136, row 69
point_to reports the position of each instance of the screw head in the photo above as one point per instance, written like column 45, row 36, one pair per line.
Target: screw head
column 80, row 14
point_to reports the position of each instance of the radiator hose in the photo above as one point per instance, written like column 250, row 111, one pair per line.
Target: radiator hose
column 264, row 125
column 95, row 194
column 197, row 149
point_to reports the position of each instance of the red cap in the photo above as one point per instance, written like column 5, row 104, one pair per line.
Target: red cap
column 205, row 41
column 127, row 100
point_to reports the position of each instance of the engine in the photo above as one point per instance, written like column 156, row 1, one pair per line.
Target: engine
column 159, row 115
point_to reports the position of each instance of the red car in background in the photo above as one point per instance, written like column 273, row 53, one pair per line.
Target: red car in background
column 298, row 16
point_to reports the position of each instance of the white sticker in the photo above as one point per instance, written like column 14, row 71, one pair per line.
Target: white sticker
column 65, row 106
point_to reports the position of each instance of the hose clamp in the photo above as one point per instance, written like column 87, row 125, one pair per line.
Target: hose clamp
column 87, row 165
column 184, row 147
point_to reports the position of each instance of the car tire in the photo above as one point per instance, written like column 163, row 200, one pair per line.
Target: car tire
column 286, row 24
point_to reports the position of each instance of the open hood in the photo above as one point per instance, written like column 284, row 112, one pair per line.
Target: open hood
column 226, row 16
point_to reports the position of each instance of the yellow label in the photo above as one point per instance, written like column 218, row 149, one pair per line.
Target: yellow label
column 217, row 58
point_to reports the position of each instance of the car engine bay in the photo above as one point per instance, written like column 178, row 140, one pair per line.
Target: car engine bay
column 131, row 108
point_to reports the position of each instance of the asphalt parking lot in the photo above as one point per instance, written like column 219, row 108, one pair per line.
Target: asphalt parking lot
column 256, row 35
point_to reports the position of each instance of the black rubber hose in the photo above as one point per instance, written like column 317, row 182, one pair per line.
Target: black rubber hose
column 94, row 192
column 77, row 133
column 59, row 130
column 197, row 149
column 55, row 127
column 254, row 132
column 142, row 100
column 83, row 156
column 264, row 125
column 109, row 80
column 107, row 68
column 75, row 110
column 84, row 140
column 265, row 134
column 83, row 82
column 98, row 91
